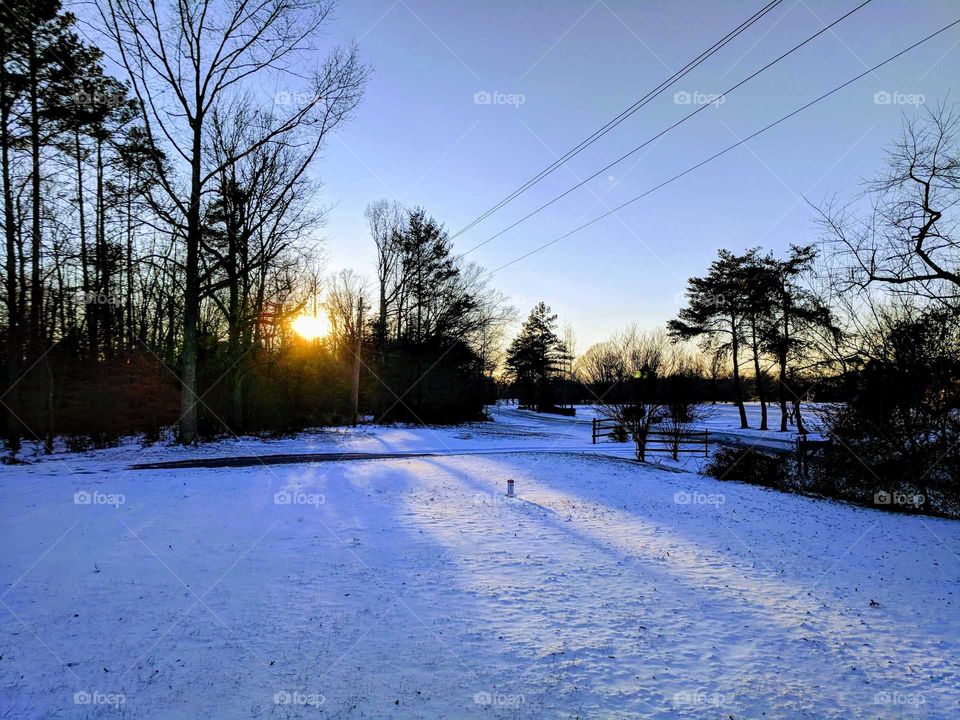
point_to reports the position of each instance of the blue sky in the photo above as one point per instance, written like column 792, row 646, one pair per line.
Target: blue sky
column 563, row 68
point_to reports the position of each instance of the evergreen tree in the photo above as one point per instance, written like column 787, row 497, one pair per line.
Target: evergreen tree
column 759, row 282
column 535, row 357
column 715, row 315
column 42, row 62
column 796, row 312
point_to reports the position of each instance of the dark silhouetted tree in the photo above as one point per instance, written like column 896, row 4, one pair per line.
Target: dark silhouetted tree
column 536, row 357
column 715, row 314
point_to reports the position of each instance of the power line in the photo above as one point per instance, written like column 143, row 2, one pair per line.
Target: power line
column 668, row 129
column 729, row 148
column 650, row 95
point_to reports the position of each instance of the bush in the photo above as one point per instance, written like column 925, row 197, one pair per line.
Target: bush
column 438, row 382
column 751, row 466
column 898, row 435
column 557, row 410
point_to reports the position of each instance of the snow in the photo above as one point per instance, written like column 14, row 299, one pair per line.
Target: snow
column 413, row 588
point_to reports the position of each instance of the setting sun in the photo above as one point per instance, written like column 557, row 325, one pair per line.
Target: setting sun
column 311, row 327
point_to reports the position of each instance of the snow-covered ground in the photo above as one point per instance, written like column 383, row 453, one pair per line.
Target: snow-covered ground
column 413, row 588
column 721, row 419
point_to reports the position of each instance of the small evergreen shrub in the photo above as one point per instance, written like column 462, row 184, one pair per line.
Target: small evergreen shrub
column 751, row 465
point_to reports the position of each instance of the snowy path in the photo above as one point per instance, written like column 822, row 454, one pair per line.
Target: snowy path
column 413, row 588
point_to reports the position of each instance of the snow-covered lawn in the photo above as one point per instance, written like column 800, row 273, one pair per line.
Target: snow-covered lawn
column 413, row 588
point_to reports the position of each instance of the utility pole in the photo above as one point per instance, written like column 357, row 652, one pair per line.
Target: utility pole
column 356, row 362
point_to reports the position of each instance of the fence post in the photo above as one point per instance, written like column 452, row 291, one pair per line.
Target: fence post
column 593, row 430
column 706, row 443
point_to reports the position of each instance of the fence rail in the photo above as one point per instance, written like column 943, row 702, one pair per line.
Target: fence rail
column 686, row 441
column 808, row 451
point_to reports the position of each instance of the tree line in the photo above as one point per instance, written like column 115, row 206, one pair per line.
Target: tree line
column 865, row 320
column 160, row 236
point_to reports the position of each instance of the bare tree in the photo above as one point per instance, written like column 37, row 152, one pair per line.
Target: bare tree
column 258, row 213
column 345, row 292
column 600, row 365
column 385, row 220
column 909, row 241
column 182, row 59
column 637, row 402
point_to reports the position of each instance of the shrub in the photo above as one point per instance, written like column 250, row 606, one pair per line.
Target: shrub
column 751, row 465
column 898, row 433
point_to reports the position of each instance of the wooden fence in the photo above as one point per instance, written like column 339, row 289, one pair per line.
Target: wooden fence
column 809, row 450
column 687, row 441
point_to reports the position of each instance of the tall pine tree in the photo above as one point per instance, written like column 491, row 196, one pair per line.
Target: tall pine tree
column 715, row 315
column 535, row 358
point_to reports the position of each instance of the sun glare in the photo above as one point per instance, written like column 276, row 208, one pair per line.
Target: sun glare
column 310, row 327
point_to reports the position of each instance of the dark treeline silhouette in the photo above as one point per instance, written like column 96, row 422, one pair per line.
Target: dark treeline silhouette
column 867, row 324
column 755, row 310
column 160, row 252
column 157, row 225
column 433, row 338
column 535, row 361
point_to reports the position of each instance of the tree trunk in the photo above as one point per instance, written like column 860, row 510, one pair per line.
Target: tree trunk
column 88, row 308
column 737, row 386
column 796, row 411
column 782, row 390
column 14, row 321
column 129, row 335
column 36, row 289
column 233, row 307
column 640, row 439
column 104, row 301
column 191, row 299
column 758, row 374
